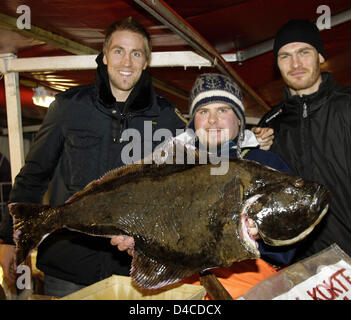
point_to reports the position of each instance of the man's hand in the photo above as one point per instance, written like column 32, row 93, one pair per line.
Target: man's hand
column 252, row 229
column 8, row 263
column 264, row 136
column 123, row 243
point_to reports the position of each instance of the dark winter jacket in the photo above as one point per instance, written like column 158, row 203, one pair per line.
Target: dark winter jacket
column 313, row 136
column 79, row 141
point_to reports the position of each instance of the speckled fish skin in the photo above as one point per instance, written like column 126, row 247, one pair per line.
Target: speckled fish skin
column 183, row 219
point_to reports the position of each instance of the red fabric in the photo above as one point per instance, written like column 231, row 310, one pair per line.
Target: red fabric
column 240, row 277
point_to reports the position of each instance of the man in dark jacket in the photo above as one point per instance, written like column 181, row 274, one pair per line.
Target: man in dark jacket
column 82, row 138
column 312, row 129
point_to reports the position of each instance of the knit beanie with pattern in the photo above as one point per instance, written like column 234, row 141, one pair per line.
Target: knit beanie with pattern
column 216, row 88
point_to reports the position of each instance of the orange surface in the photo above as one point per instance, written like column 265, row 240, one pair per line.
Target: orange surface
column 240, row 277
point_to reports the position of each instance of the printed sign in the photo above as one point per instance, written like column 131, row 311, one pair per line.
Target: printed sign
column 332, row 282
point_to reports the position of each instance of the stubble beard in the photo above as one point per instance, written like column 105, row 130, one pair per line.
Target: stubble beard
column 308, row 83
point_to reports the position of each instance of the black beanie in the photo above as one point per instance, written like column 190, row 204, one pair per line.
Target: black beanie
column 298, row 31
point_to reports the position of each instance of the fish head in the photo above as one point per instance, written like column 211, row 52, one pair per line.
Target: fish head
column 285, row 212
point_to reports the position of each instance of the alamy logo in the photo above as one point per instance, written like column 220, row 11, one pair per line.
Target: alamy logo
column 23, row 21
column 163, row 153
column 323, row 21
column 24, row 278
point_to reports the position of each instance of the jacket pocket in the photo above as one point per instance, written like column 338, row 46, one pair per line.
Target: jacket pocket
column 81, row 157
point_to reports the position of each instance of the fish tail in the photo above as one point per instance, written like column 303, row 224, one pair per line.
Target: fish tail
column 29, row 227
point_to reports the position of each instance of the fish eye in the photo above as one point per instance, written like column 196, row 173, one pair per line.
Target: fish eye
column 299, row 183
column 306, row 201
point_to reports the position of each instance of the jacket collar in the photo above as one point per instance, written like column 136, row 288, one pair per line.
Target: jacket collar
column 314, row 100
column 142, row 99
column 230, row 146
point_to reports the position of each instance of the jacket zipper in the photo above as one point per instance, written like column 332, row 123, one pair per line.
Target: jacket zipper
column 306, row 156
column 304, row 112
column 124, row 118
column 121, row 129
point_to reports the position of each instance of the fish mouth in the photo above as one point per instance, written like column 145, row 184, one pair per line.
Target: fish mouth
column 245, row 235
column 247, row 238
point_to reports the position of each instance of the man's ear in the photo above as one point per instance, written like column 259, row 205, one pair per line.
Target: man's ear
column 147, row 62
column 321, row 58
column 104, row 59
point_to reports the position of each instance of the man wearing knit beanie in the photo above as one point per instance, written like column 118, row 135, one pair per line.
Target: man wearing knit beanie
column 216, row 89
column 216, row 104
column 217, row 114
column 312, row 129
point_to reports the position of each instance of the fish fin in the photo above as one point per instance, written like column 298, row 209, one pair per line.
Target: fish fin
column 88, row 188
column 109, row 177
column 151, row 274
column 25, row 223
column 123, row 174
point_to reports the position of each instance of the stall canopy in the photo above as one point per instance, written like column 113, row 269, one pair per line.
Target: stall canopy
column 233, row 36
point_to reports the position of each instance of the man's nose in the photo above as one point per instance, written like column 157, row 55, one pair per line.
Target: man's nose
column 296, row 61
column 126, row 60
column 212, row 118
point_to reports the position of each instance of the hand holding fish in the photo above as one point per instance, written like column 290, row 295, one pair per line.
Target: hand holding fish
column 7, row 262
column 123, row 243
column 252, row 229
column 264, row 136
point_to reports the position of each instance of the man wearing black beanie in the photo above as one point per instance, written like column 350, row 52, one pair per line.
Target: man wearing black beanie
column 298, row 52
column 298, row 31
column 312, row 129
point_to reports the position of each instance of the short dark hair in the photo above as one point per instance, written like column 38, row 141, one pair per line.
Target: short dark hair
column 129, row 24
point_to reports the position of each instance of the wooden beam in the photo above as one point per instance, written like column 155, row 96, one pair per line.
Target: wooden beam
column 170, row 89
column 178, row 59
column 85, row 62
column 48, row 37
column 57, row 63
column 14, row 117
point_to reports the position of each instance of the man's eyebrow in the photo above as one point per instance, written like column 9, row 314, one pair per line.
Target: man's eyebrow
column 115, row 46
column 297, row 50
column 218, row 107
column 305, row 48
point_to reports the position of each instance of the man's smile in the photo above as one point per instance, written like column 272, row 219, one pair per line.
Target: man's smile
column 125, row 73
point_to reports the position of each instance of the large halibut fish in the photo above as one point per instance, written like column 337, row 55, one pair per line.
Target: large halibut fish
column 183, row 219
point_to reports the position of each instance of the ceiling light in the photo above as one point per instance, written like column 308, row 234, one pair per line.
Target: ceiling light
column 43, row 97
